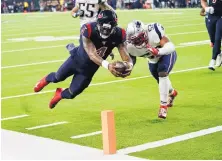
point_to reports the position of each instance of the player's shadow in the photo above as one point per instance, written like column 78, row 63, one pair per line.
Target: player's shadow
column 156, row 121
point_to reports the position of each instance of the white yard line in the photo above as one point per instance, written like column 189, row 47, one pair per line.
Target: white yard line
column 104, row 83
column 34, row 33
column 197, row 24
column 168, row 141
column 181, row 45
column 86, row 135
column 186, row 33
column 28, row 49
column 14, row 117
column 45, row 47
column 50, row 30
column 46, row 125
column 30, row 64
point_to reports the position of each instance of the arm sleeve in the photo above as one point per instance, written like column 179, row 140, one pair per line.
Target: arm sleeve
column 123, row 35
column 86, row 31
column 77, row 4
column 158, row 32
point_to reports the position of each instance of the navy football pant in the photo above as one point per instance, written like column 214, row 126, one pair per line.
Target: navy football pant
column 79, row 81
column 165, row 64
column 217, row 41
column 211, row 26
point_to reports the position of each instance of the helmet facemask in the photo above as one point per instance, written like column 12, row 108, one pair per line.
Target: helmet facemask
column 105, row 29
column 106, row 23
column 139, row 40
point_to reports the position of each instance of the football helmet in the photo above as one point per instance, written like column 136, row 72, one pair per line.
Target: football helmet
column 106, row 23
column 136, row 34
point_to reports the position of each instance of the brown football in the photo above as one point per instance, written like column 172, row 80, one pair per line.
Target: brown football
column 120, row 67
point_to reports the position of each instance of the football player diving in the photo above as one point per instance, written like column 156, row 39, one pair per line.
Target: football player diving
column 97, row 40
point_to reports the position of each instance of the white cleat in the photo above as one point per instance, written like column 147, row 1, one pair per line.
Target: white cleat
column 211, row 65
column 219, row 60
column 162, row 112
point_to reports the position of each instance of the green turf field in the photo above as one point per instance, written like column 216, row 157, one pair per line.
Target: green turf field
column 27, row 39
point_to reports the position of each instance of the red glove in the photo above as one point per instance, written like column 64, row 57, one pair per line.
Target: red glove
column 153, row 51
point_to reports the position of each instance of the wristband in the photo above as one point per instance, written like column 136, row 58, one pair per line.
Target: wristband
column 105, row 64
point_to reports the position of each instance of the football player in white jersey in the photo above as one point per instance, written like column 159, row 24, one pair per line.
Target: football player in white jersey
column 149, row 41
column 87, row 11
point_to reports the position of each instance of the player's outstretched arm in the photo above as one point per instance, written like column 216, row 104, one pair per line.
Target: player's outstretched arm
column 92, row 53
column 74, row 12
column 204, row 4
column 167, row 47
column 126, row 58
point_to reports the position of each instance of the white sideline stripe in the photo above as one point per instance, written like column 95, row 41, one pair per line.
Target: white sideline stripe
column 86, row 135
column 171, row 140
column 45, row 47
column 103, row 83
column 46, row 125
column 23, row 65
column 14, row 117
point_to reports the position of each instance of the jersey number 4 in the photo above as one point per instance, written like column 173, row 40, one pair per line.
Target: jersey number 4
column 101, row 51
column 86, row 9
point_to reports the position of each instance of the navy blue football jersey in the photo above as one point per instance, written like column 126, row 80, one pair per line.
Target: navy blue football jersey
column 217, row 4
column 103, row 46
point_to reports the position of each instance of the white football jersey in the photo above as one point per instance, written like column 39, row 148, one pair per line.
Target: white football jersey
column 154, row 32
column 89, row 10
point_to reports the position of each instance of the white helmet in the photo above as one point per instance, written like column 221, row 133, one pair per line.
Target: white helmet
column 136, row 33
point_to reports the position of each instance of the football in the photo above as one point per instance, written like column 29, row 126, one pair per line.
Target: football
column 120, row 66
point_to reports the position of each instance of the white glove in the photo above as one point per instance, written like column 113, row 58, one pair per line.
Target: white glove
column 209, row 10
column 74, row 15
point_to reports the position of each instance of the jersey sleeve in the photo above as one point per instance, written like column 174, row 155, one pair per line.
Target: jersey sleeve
column 77, row 4
column 156, row 32
column 86, row 30
column 123, row 35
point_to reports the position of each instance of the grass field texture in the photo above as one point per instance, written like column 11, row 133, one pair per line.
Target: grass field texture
column 29, row 39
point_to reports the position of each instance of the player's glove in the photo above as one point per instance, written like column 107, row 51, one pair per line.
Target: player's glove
column 153, row 51
column 209, row 10
column 76, row 14
column 112, row 56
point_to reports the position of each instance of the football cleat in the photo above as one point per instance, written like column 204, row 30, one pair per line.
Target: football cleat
column 57, row 97
column 171, row 98
column 219, row 60
column 41, row 84
column 162, row 112
column 211, row 65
